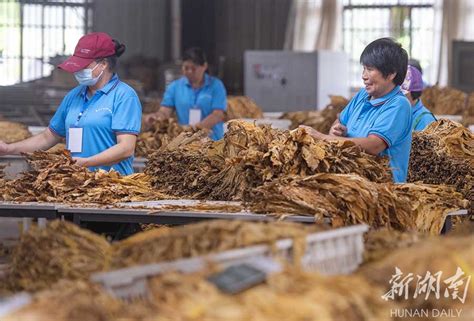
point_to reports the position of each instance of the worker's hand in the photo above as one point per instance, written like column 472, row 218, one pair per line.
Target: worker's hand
column 149, row 120
column 81, row 161
column 313, row 132
column 4, row 148
column 338, row 129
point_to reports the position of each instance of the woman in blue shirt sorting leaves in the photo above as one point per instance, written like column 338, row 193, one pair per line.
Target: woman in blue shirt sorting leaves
column 100, row 118
column 198, row 99
column 379, row 117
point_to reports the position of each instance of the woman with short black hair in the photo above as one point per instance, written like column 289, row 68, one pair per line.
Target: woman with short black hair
column 198, row 99
column 378, row 118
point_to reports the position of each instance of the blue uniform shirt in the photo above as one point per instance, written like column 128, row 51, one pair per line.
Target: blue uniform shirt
column 112, row 110
column 388, row 117
column 212, row 95
column 422, row 117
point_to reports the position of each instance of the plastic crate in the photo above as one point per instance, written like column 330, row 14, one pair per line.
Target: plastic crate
column 336, row 251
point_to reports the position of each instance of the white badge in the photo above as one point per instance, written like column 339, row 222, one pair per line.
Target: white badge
column 75, row 140
column 194, row 116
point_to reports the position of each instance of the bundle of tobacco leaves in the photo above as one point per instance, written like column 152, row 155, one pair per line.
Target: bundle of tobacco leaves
column 444, row 100
column 11, row 132
column 71, row 300
column 202, row 238
column 345, row 199
column 158, row 135
column 181, row 167
column 429, row 263
column 320, row 120
column 443, row 153
column 56, row 178
column 430, row 204
column 242, row 107
column 350, row 199
column 291, row 295
column 381, row 242
column 250, row 155
column 452, row 138
column 61, row 250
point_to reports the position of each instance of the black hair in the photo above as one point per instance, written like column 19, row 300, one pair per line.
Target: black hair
column 415, row 94
column 388, row 57
column 415, row 63
column 113, row 60
column 196, row 55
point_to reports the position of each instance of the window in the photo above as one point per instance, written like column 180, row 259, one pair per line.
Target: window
column 33, row 32
column 409, row 22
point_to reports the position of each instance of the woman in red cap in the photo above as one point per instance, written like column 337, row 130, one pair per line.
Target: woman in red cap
column 100, row 118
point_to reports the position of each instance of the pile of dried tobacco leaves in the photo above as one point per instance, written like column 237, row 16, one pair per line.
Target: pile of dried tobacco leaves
column 426, row 261
column 203, row 238
column 159, row 134
column 443, row 153
column 381, row 242
column 444, row 100
column 291, row 295
column 320, row 120
column 242, row 107
column 56, row 178
column 348, row 199
column 11, row 132
column 61, row 250
column 251, row 155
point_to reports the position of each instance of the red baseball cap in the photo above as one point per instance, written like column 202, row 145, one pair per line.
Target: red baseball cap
column 89, row 48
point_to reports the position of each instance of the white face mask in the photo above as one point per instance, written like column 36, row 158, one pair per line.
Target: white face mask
column 84, row 76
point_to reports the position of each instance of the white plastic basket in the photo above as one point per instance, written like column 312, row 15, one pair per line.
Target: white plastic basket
column 336, row 251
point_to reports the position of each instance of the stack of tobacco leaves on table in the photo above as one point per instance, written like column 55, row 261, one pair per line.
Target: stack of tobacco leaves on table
column 381, row 242
column 320, row 120
column 351, row 199
column 430, row 204
column 181, row 167
column 56, row 178
column 444, row 100
column 242, row 107
column 345, row 199
column 203, row 238
column 443, row 153
column 158, row 135
column 61, row 250
column 251, row 155
column 291, row 295
column 433, row 260
column 11, row 132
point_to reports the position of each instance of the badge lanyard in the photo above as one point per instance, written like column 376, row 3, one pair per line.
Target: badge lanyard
column 75, row 132
column 195, row 112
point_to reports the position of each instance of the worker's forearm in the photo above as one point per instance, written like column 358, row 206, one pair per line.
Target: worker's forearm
column 366, row 143
column 43, row 141
column 210, row 121
column 112, row 155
